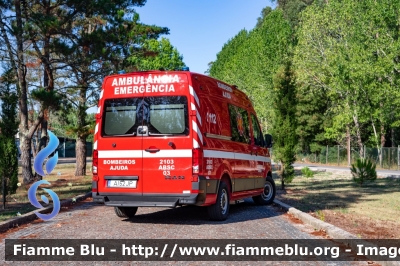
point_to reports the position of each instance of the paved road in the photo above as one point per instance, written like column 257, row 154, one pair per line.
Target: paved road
column 93, row 221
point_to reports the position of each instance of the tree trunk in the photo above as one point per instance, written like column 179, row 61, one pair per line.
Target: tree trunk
column 282, row 177
column 80, row 150
column 382, row 142
column 348, row 137
column 47, row 79
column 392, row 137
column 43, row 135
column 81, row 130
column 35, row 141
column 26, row 164
column 81, row 139
column 358, row 134
column 3, row 181
column 25, row 141
column 42, row 142
column 25, row 138
column 383, row 138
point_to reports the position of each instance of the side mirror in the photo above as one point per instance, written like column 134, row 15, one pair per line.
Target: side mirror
column 268, row 141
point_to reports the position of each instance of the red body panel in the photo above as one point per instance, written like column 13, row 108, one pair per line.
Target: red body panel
column 162, row 165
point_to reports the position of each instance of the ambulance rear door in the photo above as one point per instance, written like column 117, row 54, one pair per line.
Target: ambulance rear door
column 167, row 142
column 120, row 149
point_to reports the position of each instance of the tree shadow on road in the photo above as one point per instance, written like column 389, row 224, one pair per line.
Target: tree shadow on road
column 194, row 215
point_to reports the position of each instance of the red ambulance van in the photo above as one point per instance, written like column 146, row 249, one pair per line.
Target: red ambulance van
column 168, row 138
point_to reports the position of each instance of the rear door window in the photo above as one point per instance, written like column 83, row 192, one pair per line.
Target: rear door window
column 168, row 118
column 166, row 115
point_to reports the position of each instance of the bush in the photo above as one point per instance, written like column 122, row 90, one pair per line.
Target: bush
column 288, row 173
column 363, row 170
column 8, row 166
column 307, row 172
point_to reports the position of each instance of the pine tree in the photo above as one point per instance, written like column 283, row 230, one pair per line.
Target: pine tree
column 94, row 51
column 284, row 129
column 162, row 55
column 8, row 129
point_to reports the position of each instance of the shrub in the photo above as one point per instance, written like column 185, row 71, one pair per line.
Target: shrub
column 320, row 215
column 307, row 172
column 363, row 170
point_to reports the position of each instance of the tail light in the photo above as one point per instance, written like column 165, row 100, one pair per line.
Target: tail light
column 196, row 160
column 95, row 162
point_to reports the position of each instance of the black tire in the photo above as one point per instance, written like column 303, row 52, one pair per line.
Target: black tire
column 125, row 212
column 220, row 210
column 268, row 195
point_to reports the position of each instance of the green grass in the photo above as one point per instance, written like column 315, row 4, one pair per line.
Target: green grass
column 13, row 212
column 63, row 183
column 379, row 200
column 342, row 210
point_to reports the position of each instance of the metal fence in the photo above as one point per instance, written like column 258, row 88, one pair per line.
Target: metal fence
column 66, row 148
column 385, row 157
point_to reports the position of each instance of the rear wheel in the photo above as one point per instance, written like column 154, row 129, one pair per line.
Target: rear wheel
column 268, row 195
column 220, row 210
column 125, row 212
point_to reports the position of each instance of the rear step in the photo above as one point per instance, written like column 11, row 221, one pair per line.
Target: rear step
column 141, row 204
column 233, row 202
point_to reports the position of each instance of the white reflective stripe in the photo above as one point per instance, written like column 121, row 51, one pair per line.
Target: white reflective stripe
column 196, row 128
column 145, row 154
column 219, row 154
column 263, row 159
column 101, row 94
column 193, row 93
column 168, row 154
column 243, row 156
column 186, row 192
column 197, row 113
column 195, row 144
column 235, row 155
column 96, row 128
column 98, row 110
column 198, row 117
column 95, row 145
column 121, row 154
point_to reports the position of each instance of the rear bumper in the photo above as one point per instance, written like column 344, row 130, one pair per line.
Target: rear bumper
column 145, row 200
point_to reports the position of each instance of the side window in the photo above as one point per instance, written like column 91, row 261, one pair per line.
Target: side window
column 257, row 134
column 240, row 127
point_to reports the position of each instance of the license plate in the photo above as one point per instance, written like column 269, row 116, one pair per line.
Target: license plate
column 122, row 183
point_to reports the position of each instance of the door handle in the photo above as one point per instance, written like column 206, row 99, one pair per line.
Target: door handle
column 152, row 149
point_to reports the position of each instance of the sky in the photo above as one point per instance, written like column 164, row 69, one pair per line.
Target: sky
column 200, row 28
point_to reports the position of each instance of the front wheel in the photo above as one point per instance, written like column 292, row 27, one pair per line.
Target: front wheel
column 125, row 212
column 220, row 210
column 268, row 194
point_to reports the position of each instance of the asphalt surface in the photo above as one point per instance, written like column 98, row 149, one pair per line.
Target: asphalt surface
column 94, row 221
column 246, row 221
